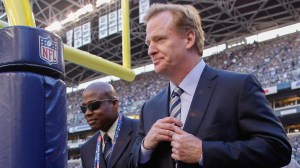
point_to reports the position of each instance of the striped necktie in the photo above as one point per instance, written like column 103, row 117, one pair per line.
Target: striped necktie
column 107, row 148
column 175, row 106
column 175, row 103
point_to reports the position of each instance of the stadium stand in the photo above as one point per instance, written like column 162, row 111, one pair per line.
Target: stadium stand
column 295, row 142
column 272, row 62
column 74, row 163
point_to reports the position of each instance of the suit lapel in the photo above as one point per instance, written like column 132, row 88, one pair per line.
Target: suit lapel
column 159, row 107
column 92, row 150
column 163, row 102
column 122, row 142
column 200, row 100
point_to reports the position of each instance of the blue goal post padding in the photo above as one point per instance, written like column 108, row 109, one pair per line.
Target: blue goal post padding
column 33, row 118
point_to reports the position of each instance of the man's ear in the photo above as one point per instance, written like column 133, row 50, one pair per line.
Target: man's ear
column 115, row 104
column 190, row 39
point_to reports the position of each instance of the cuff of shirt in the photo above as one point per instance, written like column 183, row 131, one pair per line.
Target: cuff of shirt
column 201, row 160
column 145, row 154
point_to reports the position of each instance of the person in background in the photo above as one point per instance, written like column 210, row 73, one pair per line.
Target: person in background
column 206, row 117
column 111, row 145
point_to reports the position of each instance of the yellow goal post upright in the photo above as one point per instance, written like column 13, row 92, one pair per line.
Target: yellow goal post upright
column 19, row 13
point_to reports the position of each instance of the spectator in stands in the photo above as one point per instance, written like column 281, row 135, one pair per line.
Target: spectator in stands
column 111, row 145
column 224, row 119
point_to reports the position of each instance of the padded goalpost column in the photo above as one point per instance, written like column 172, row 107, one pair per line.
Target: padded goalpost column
column 33, row 129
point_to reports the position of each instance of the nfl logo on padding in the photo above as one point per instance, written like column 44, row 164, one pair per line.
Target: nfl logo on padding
column 48, row 50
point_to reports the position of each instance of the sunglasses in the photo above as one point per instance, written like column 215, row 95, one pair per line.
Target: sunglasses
column 93, row 105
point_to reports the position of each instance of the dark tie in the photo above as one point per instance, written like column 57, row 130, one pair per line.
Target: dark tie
column 107, row 148
column 175, row 106
column 175, row 103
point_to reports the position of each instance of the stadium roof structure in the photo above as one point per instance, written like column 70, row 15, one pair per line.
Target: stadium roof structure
column 222, row 20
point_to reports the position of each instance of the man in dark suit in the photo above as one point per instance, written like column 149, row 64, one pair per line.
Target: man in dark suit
column 206, row 117
column 111, row 145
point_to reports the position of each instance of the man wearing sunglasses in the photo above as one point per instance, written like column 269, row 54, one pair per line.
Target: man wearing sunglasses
column 111, row 145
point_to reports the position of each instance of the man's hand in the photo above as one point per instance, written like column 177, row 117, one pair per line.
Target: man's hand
column 161, row 130
column 186, row 147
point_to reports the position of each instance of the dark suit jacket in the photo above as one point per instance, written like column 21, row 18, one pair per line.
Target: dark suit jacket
column 232, row 117
column 121, row 150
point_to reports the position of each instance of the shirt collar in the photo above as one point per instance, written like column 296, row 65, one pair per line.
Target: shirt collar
column 190, row 82
column 112, row 130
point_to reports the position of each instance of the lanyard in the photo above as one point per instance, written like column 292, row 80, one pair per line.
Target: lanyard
column 99, row 141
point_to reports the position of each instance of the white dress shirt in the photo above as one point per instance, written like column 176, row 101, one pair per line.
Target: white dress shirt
column 111, row 133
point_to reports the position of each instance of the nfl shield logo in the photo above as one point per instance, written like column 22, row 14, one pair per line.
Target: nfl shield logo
column 48, row 50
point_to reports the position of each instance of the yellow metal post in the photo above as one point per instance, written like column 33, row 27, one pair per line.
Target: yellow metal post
column 19, row 12
column 93, row 62
column 3, row 24
column 126, row 34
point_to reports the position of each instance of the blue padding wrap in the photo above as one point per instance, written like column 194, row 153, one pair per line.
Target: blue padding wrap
column 31, row 47
column 55, row 123
column 33, row 130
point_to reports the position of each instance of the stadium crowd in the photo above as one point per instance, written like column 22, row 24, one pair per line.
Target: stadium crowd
column 273, row 62
column 74, row 163
column 295, row 142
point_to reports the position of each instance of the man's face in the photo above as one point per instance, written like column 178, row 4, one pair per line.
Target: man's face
column 167, row 47
column 101, row 117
